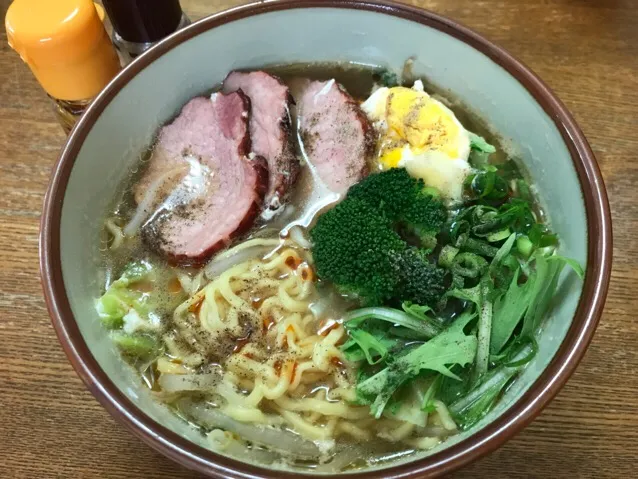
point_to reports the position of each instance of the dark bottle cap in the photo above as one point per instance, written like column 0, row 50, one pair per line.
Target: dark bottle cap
column 143, row 21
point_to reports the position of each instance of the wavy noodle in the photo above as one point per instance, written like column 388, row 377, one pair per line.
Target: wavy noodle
column 117, row 236
column 279, row 366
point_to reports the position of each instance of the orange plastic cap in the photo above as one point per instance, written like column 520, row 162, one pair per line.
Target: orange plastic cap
column 65, row 45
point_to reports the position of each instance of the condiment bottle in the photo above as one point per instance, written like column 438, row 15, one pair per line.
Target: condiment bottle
column 65, row 44
column 139, row 24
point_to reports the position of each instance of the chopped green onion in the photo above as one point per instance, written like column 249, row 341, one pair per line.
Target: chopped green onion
column 498, row 235
column 478, row 143
column 465, row 243
column 447, row 255
column 524, row 246
column 523, row 190
column 469, row 265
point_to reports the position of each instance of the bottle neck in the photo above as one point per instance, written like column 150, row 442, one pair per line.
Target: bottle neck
column 143, row 21
column 69, row 112
column 128, row 50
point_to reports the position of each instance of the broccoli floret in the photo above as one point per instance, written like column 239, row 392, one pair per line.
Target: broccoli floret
column 419, row 280
column 353, row 244
column 424, row 218
column 405, row 201
column 360, row 245
column 390, row 191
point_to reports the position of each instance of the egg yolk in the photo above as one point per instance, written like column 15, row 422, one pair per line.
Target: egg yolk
column 423, row 122
column 391, row 158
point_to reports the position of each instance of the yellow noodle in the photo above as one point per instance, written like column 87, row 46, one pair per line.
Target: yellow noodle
column 287, row 374
column 302, row 370
column 246, row 414
column 398, row 433
column 165, row 365
column 256, row 395
column 424, row 443
column 444, row 415
column 347, row 394
column 305, row 428
column 354, row 431
column 313, row 417
column 116, row 232
column 324, row 407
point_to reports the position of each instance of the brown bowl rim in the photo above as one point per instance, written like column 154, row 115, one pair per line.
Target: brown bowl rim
column 492, row 436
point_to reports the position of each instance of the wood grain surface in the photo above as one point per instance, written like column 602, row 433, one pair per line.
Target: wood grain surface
column 586, row 50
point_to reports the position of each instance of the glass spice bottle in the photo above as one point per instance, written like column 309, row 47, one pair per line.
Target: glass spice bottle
column 140, row 24
column 65, row 44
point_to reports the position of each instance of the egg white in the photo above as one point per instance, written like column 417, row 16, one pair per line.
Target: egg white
column 437, row 168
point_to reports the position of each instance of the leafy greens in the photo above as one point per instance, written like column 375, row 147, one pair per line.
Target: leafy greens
column 450, row 347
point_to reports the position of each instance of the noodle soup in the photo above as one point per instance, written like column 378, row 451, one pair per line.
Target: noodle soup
column 329, row 282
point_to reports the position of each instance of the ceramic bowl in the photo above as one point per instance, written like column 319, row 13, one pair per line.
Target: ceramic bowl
column 121, row 122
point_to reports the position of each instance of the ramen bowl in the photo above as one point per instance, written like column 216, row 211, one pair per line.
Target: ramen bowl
column 120, row 125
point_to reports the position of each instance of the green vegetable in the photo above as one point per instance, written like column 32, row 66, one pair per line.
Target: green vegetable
column 387, row 78
column 447, row 255
column 468, row 410
column 449, row 348
column 380, row 244
column 477, row 402
column 450, row 389
column 510, row 171
column 355, row 349
column 112, row 307
column 469, row 265
column 430, row 394
column 135, row 301
column 420, row 323
column 420, row 312
column 359, row 247
column 353, row 248
column 134, row 272
column 515, row 214
column 472, row 245
column 478, row 143
column 497, row 236
column 547, row 272
column 371, row 346
column 524, row 191
column 524, row 246
column 406, row 404
column 118, row 300
column 419, row 281
column 509, row 309
column 142, row 346
column 478, row 159
column 405, row 201
column 480, row 296
column 487, row 184
column 483, row 221
column 503, row 251
column 540, row 236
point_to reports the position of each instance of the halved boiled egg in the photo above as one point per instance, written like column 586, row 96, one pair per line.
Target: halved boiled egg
column 420, row 134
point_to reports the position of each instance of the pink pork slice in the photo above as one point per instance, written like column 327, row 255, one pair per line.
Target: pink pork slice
column 270, row 130
column 219, row 191
column 336, row 134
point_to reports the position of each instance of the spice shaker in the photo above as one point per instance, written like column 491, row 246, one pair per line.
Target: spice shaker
column 67, row 48
column 139, row 24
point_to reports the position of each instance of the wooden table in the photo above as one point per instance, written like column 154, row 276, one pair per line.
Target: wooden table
column 587, row 50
